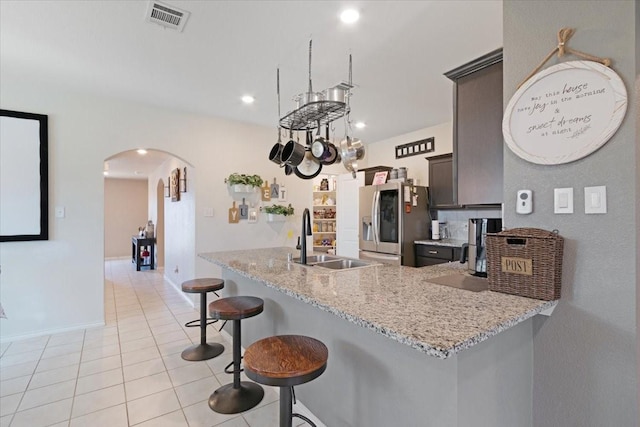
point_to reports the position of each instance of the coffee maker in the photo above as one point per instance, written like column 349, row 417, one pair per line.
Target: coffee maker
column 475, row 251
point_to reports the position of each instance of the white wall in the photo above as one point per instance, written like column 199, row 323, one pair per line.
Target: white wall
column 382, row 153
column 179, row 224
column 58, row 284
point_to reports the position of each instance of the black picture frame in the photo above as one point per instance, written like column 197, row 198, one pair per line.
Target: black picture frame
column 414, row 148
column 30, row 163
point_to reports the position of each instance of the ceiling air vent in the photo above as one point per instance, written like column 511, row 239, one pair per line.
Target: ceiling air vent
column 167, row 16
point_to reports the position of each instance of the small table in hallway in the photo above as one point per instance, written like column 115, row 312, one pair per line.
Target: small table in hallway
column 137, row 245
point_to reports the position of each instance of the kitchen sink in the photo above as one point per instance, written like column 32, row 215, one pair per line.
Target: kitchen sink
column 341, row 264
column 315, row 259
column 333, row 262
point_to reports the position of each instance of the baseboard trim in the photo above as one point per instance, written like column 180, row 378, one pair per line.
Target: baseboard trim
column 299, row 407
column 179, row 289
column 12, row 338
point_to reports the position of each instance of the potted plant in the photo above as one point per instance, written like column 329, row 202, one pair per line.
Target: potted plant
column 241, row 182
column 278, row 212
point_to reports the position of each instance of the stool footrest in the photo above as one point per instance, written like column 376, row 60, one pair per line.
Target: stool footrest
column 196, row 323
column 303, row 418
column 232, row 371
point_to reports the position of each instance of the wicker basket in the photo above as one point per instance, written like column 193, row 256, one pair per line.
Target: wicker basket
column 525, row 262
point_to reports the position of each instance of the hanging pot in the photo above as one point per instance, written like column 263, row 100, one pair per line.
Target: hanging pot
column 275, row 154
column 358, row 146
column 320, row 148
column 307, row 98
column 309, row 168
column 351, row 150
column 292, row 153
column 333, row 156
column 335, row 94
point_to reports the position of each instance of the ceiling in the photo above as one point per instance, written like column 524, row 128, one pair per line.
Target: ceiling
column 400, row 51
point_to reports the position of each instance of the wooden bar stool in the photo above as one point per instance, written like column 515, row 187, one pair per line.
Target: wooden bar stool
column 202, row 351
column 285, row 361
column 237, row 396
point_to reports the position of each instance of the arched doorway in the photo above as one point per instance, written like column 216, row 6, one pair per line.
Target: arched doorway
column 173, row 217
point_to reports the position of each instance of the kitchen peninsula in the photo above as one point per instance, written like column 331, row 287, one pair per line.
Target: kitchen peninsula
column 387, row 329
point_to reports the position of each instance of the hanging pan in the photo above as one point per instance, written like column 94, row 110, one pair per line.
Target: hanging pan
column 332, row 154
column 320, row 146
column 309, row 168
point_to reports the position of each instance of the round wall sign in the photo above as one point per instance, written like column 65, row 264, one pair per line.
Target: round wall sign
column 565, row 112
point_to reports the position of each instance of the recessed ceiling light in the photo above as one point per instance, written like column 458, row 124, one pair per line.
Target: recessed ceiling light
column 141, row 151
column 349, row 16
column 361, row 125
column 105, row 173
column 248, row 99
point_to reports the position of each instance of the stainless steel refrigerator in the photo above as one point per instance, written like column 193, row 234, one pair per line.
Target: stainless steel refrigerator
column 392, row 217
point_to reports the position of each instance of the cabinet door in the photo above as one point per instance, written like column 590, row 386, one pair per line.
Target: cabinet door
column 478, row 145
column 441, row 180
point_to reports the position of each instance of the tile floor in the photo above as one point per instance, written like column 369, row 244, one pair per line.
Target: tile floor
column 127, row 373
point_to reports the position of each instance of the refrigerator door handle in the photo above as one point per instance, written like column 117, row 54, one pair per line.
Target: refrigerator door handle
column 376, row 218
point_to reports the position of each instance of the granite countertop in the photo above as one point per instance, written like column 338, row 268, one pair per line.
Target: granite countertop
column 396, row 301
column 444, row 242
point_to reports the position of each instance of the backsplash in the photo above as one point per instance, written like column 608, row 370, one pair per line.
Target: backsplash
column 458, row 220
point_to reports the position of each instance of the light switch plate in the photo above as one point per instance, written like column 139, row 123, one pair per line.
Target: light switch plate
column 208, row 212
column 60, row 212
column 595, row 200
column 563, row 200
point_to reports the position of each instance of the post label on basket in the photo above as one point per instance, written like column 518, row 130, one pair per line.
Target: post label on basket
column 517, row 265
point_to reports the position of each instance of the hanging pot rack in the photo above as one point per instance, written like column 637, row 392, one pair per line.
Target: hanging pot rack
column 317, row 113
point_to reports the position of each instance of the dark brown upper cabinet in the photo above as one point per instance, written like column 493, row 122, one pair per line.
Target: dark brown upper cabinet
column 477, row 131
column 441, row 181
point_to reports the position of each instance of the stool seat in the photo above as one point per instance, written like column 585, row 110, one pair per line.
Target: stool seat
column 197, row 286
column 236, row 308
column 285, row 360
column 238, row 396
column 204, row 350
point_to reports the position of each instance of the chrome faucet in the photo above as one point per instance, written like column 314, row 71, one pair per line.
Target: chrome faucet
column 306, row 221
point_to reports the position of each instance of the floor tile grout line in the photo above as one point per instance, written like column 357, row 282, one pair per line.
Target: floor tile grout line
column 157, row 348
column 161, row 358
column 29, row 382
